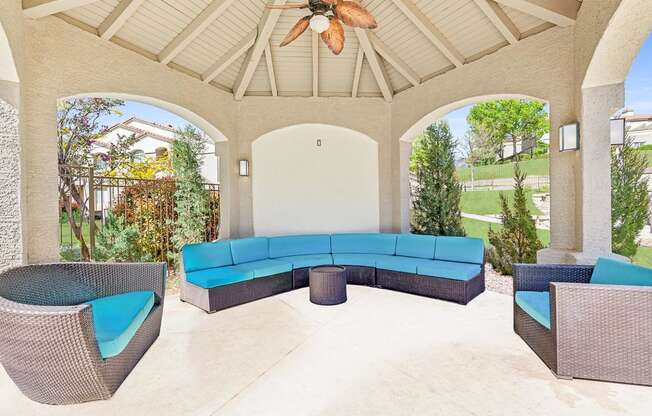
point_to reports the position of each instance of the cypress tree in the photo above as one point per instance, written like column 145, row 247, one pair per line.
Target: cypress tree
column 437, row 194
column 629, row 197
column 517, row 241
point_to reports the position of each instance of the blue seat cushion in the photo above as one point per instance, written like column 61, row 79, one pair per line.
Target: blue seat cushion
column 399, row 263
column 206, row 256
column 448, row 269
column 614, row 272
column 117, row 318
column 347, row 259
column 419, row 246
column 310, row 260
column 221, row 276
column 247, row 250
column 363, row 244
column 299, row 245
column 535, row 304
column 263, row 268
column 460, row 249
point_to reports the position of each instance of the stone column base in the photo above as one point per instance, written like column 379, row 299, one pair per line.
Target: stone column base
column 559, row 256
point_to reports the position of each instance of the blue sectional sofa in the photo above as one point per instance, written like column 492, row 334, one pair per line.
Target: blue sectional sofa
column 223, row 274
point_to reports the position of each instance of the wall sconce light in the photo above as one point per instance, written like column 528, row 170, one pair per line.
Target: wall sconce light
column 244, row 167
column 617, row 131
column 569, row 137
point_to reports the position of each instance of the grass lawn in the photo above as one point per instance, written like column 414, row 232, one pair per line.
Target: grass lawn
column 480, row 229
column 488, row 202
column 535, row 167
column 643, row 256
column 68, row 238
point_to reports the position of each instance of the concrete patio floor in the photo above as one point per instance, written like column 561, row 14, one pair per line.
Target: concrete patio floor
column 382, row 353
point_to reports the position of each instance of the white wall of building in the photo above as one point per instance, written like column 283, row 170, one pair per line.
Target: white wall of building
column 300, row 186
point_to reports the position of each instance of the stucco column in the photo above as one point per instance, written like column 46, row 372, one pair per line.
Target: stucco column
column 405, row 150
column 594, row 170
column 224, row 166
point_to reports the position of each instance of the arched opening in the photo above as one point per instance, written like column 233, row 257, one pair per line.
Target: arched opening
column 121, row 169
column 314, row 178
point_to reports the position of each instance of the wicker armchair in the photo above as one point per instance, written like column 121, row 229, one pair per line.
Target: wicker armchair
column 47, row 340
column 599, row 332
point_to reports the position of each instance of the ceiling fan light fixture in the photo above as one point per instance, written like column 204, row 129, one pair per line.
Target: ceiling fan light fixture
column 319, row 23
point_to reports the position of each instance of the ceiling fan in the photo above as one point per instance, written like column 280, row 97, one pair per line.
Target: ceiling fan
column 326, row 18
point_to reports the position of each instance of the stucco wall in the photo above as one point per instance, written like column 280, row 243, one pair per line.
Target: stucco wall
column 11, row 242
column 302, row 186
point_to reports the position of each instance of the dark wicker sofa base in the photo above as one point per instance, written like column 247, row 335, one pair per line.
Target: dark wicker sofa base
column 224, row 297
column 458, row 291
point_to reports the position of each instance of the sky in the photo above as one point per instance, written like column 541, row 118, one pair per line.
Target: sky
column 638, row 96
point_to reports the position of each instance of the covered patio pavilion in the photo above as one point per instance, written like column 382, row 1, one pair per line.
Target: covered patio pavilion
column 217, row 63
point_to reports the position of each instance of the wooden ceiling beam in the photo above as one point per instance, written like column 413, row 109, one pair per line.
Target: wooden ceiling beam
column 377, row 66
column 230, row 57
column 500, row 19
column 425, row 25
column 269, row 60
column 559, row 12
column 118, row 17
column 42, row 8
column 194, row 29
column 357, row 72
column 265, row 29
column 394, row 60
column 315, row 64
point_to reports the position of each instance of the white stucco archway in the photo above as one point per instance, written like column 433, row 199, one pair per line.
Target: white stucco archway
column 315, row 178
column 410, row 135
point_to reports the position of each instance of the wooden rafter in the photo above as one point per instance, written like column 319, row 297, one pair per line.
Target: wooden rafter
column 269, row 60
column 42, row 8
column 358, row 72
column 559, row 12
column 500, row 19
column 265, row 29
column 394, row 60
column 425, row 25
column 118, row 17
column 315, row 64
column 194, row 29
column 230, row 57
column 377, row 66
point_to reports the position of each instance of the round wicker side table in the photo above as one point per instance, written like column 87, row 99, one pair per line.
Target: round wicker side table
column 327, row 285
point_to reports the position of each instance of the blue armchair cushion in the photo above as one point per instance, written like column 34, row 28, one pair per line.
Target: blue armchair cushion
column 299, row 245
column 222, row 276
column 364, row 244
column 365, row 260
column 309, row 260
column 264, row 268
column 117, row 318
column 460, row 249
column 535, row 304
column 249, row 249
column 420, row 246
column 206, row 256
column 399, row 263
column 448, row 269
column 614, row 272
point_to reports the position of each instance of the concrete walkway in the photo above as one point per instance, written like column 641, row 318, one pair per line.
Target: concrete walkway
column 382, row 353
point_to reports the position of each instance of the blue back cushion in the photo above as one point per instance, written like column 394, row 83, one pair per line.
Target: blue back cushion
column 250, row 249
column 615, row 272
column 460, row 249
column 299, row 245
column 206, row 256
column 419, row 246
column 364, row 243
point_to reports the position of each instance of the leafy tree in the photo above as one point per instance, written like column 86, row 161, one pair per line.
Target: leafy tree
column 509, row 119
column 192, row 202
column 629, row 197
column 517, row 241
column 118, row 241
column 438, row 192
column 78, row 127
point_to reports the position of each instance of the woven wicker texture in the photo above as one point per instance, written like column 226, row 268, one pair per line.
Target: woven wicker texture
column 47, row 339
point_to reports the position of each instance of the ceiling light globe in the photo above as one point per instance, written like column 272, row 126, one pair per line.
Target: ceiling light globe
column 319, row 23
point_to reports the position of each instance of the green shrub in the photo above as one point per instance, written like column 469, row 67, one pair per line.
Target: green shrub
column 118, row 242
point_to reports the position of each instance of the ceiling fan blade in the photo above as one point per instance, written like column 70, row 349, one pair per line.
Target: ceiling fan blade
column 288, row 6
column 296, row 31
column 334, row 36
column 353, row 14
column 330, row 2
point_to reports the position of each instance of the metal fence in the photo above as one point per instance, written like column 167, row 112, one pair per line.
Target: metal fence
column 148, row 204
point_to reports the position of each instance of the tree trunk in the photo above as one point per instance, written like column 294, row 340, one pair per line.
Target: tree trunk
column 76, row 228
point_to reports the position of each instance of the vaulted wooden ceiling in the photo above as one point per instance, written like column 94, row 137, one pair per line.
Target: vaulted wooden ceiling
column 233, row 44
